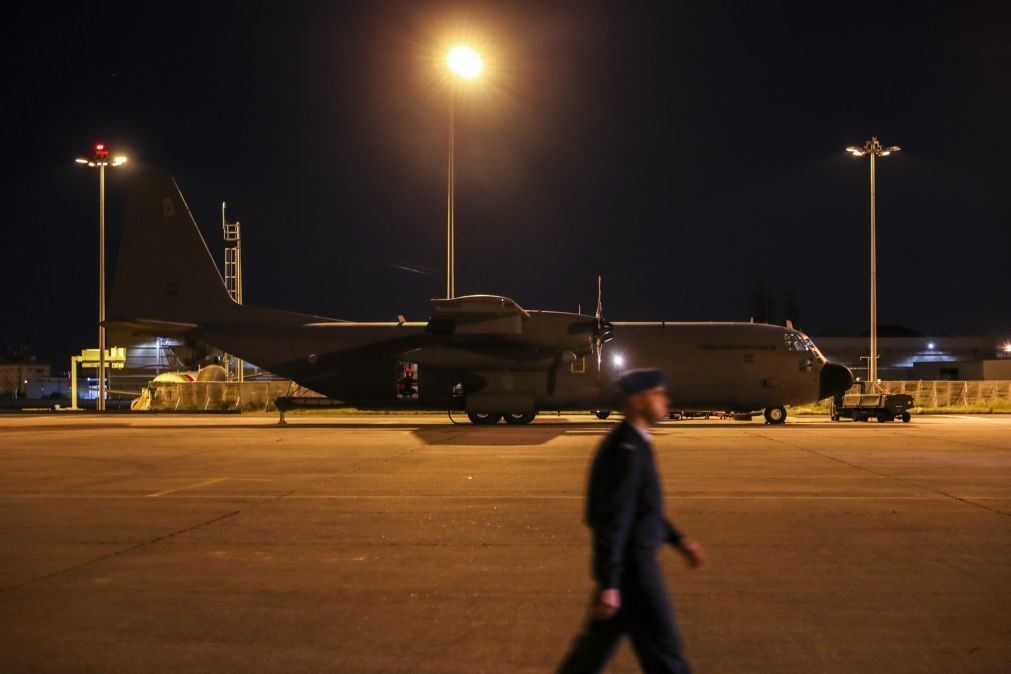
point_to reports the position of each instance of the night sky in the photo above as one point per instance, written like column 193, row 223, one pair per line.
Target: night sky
column 684, row 150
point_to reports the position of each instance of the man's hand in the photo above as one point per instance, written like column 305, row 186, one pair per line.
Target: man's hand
column 694, row 553
column 608, row 604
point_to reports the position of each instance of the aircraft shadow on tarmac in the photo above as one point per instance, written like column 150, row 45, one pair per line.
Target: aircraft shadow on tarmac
column 461, row 434
column 535, row 434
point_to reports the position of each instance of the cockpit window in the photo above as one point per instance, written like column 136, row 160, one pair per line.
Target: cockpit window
column 798, row 342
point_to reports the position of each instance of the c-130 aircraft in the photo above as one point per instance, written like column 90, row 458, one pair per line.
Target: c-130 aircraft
column 483, row 352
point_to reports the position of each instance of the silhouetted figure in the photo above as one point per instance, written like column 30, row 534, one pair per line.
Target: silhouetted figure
column 625, row 511
column 408, row 386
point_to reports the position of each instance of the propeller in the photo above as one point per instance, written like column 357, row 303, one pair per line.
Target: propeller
column 603, row 331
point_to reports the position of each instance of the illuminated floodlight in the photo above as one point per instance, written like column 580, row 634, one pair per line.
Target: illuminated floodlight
column 1007, row 348
column 465, row 62
column 618, row 360
column 872, row 147
column 930, row 346
column 101, row 159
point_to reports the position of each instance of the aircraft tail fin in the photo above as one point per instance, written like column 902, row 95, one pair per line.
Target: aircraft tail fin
column 165, row 271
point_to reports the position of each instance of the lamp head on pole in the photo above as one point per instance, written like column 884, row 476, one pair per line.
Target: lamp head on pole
column 874, row 147
column 101, row 157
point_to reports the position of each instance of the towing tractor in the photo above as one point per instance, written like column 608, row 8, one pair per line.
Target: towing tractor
column 864, row 404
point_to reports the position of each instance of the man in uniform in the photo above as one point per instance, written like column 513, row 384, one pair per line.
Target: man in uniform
column 625, row 511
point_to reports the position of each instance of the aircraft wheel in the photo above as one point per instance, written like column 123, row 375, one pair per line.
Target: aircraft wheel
column 775, row 415
column 906, row 417
column 483, row 418
column 523, row 418
column 602, row 414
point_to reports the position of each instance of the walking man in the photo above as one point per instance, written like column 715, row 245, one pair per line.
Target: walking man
column 625, row 511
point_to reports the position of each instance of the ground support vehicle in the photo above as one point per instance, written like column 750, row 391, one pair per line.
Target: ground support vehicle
column 866, row 404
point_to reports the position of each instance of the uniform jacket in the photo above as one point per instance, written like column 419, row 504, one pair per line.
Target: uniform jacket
column 624, row 506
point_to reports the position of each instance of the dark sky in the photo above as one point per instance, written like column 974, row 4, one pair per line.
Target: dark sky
column 685, row 150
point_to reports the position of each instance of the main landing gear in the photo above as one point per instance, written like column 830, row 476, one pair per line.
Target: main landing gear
column 491, row 418
column 483, row 418
column 775, row 415
column 521, row 418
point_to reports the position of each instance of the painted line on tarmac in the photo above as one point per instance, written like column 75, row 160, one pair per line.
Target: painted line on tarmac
column 215, row 480
column 192, row 486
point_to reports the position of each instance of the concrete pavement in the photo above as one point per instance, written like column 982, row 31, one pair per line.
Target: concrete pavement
column 407, row 544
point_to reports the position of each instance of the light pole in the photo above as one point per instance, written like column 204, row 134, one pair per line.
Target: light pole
column 466, row 64
column 874, row 149
column 101, row 159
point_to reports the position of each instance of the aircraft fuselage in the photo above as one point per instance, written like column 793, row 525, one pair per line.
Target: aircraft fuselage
column 719, row 366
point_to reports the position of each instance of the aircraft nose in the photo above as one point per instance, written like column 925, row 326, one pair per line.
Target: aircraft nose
column 834, row 379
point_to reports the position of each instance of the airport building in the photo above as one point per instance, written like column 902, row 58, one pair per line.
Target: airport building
column 14, row 376
column 42, row 388
column 963, row 370
column 912, row 358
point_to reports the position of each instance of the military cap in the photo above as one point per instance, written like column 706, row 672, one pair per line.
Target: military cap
column 637, row 381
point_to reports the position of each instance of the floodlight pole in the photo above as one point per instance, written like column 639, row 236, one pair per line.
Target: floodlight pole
column 450, row 215
column 872, row 362
column 101, row 159
column 873, row 148
column 465, row 64
column 100, row 406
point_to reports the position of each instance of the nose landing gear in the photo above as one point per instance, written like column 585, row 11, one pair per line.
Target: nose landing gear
column 775, row 415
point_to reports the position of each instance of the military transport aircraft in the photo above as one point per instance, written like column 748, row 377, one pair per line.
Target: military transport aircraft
column 482, row 352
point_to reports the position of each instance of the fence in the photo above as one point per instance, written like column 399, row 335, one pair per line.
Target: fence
column 260, row 395
column 948, row 393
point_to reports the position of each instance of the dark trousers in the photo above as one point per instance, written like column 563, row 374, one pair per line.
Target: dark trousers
column 646, row 616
